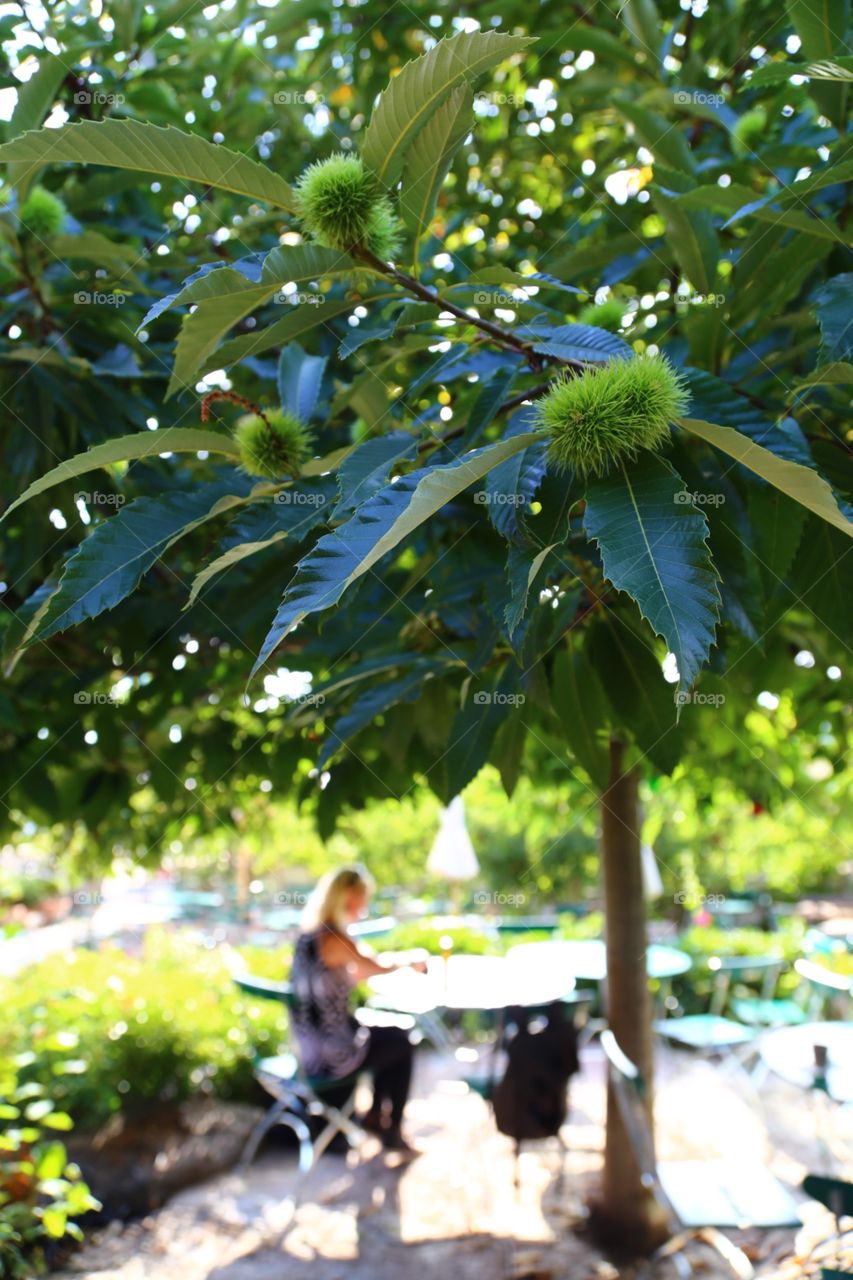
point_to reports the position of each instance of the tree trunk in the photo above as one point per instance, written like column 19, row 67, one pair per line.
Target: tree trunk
column 627, row 1213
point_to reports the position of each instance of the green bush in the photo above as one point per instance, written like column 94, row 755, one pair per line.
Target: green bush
column 263, row 962
column 701, row 942
column 582, row 927
column 41, row 1193
column 428, row 934
column 159, row 1028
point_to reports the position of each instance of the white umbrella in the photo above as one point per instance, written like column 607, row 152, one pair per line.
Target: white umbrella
column 452, row 854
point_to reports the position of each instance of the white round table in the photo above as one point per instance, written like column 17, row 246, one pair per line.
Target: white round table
column 790, row 1054
column 586, row 959
column 470, row 982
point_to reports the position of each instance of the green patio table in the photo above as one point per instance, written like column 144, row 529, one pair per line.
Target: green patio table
column 469, row 983
column 586, row 959
column 789, row 1052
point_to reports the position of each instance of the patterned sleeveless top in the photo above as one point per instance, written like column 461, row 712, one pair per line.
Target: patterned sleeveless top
column 329, row 1040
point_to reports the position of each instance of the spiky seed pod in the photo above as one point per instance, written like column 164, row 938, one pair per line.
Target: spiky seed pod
column 42, row 213
column 609, row 414
column 604, row 315
column 275, row 448
column 340, row 205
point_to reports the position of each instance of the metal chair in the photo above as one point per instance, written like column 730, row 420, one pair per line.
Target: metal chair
column 298, row 1098
column 698, row 1197
column 837, row 1195
column 826, row 991
column 713, row 1032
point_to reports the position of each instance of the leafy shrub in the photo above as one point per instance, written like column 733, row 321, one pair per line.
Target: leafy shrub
column 582, row 927
column 160, row 1028
column 428, row 934
column 701, row 942
column 41, row 1192
column 264, row 962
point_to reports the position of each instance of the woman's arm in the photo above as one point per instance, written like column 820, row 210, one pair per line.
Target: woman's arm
column 338, row 950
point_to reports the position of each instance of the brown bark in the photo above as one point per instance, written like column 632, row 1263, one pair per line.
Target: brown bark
column 627, row 1212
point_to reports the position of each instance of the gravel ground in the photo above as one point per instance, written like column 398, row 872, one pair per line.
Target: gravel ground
column 456, row 1210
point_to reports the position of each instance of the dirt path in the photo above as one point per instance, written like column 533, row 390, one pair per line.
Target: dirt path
column 454, row 1211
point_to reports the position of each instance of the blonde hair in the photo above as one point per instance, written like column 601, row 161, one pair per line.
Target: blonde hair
column 325, row 907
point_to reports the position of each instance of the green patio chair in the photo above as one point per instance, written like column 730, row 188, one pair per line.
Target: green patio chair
column 298, row 1098
column 825, row 990
column 762, row 1010
column 698, row 1197
column 713, row 1032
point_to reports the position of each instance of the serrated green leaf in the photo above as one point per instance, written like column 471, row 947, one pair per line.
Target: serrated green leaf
column 142, row 444
column 344, row 555
column 296, row 321
column 643, row 22
column 740, row 202
column 834, row 302
column 799, row 482
column 299, row 380
column 366, row 469
column 473, row 732
column 836, row 373
column 823, row 26
column 359, row 335
column 641, row 700
column 653, row 544
column 838, row 68
column 575, row 342
column 92, row 246
column 690, row 233
column 129, row 144
column 35, row 98
column 293, row 513
column 522, row 567
column 429, row 159
column 582, row 710
column 506, row 275
column 367, row 706
column 712, row 399
column 509, row 488
column 109, row 563
column 421, row 87
column 225, row 296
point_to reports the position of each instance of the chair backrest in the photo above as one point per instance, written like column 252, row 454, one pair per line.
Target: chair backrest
column 826, row 986
column 265, row 988
column 727, row 968
column 629, row 1087
column 835, row 1193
